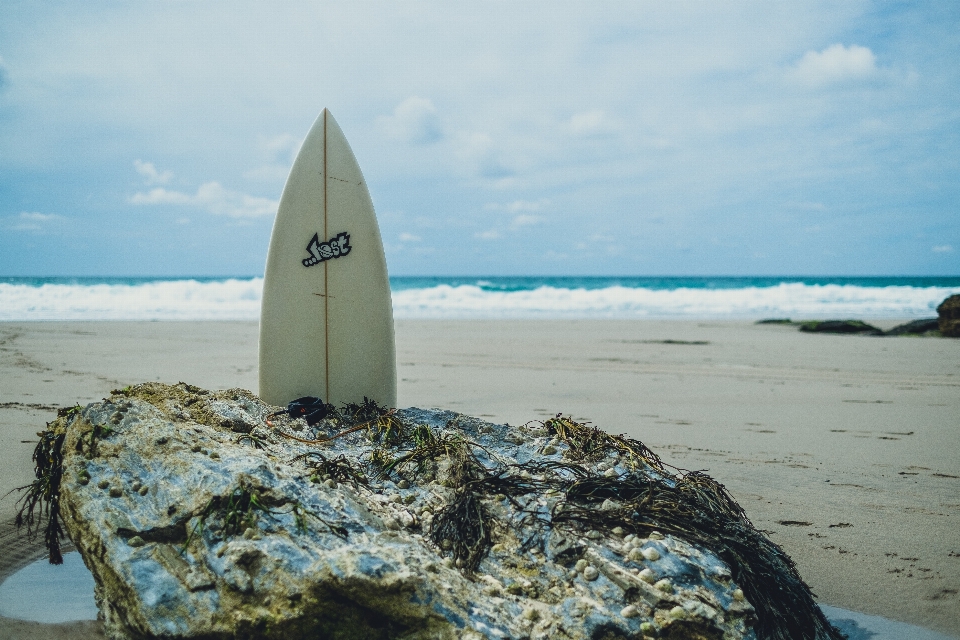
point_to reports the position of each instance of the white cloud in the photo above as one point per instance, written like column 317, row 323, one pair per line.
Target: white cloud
column 479, row 155
column 590, row 123
column 942, row 248
column 150, row 173
column 526, row 220
column 519, row 205
column 161, row 196
column 835, row 64
column 212, row 197
column 409, row 237
column 414, row 121
column 280, row 151
column 34, row 221
column 490, row 234
column 282, row 146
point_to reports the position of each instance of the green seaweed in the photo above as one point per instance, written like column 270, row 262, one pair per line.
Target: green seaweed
column 88, row 447
column 650, row 496
column 339, row 469
column 241, row 508
column 465, row 526
column 256, row 441
column 353, row 413
column 42, row 497
column 588, row 443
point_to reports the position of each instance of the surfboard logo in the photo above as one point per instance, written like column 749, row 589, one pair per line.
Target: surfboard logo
column 336, row 247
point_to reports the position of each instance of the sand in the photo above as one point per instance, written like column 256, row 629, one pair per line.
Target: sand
column 845, row 449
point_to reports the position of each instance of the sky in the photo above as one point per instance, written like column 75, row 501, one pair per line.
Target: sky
column 496, row 138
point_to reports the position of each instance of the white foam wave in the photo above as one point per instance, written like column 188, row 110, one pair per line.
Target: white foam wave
column 795, row 300
column 238, row 299
column 160, row 300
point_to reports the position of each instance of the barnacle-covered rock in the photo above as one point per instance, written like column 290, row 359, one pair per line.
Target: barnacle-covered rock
column 200, row 519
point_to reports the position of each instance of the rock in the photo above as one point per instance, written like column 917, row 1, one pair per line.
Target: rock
column 840, row 326
column 926, row 326
column 247, row 546
column 949, row 320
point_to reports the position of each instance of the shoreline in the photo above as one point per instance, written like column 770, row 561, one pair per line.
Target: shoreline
column 845, row 449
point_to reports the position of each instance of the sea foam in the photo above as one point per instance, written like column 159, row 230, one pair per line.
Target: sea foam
column 232, row 299
column 796, row 300
column 239, row 299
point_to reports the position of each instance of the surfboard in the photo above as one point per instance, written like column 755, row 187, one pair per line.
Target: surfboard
column 326, row 318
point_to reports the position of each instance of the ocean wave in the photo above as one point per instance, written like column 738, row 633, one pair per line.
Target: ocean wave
column 239, row 299
column 234, row 299
column 795, row 300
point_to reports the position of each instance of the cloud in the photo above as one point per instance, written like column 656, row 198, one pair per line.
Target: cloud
column 479, row 155
column 590, row 123
column 34, row 221
column 942, row 248
column 519, row 205
column 525, row 220
column 282, row 146
column 212, row 197
column 150, row 173
column 836, row 64
column 413, row 121
column 491, row 234
column 280, row 151
column 409, row 237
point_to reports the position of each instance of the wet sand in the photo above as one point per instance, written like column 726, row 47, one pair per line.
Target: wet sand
column 845, row 449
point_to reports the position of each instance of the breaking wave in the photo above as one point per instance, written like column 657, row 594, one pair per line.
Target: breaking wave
column 795, row 300
column 239, row 298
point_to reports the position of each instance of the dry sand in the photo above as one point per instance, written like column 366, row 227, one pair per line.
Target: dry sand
column 845, row 449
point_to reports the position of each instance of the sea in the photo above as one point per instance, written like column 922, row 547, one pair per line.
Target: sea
column 521, row 297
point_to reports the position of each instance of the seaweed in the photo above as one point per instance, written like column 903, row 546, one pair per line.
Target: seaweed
column 97, row 433
column 339, row 469
column 699, row 509
column 428, row 447
column 464, row 526
column 257, row 442
column 353, row 413
column 382, row 424
column 587, row 443
column 42, row 497
column 241, row 508
column 651, row 496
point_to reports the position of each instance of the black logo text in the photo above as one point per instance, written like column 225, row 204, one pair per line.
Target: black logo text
column 335, row 247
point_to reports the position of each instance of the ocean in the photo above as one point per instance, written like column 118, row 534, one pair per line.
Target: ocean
column 751, row 298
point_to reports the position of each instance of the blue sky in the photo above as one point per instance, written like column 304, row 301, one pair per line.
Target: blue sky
column 600, row 138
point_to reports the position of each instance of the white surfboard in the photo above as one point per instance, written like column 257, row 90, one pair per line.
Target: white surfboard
column 326, row 320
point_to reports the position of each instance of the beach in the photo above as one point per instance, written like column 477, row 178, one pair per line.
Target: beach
column 844, row 449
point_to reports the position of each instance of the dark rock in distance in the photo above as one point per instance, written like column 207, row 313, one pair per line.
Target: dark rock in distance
column 925, row 326
column 949, row 320
column 840, row 326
